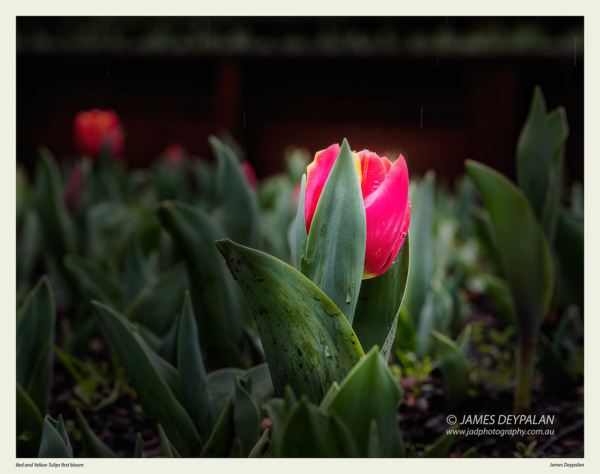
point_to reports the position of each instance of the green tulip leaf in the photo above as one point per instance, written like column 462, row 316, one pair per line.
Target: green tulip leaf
column 157, row 303
column 193, row 381
column 421, row 257
column 370, row 392
column 35, row 343
column 300, row 236
column 92, row 446
column 221, row 439
column 534, row 154
column 238, row 212
column 216, row 300
column 59, row 231
column 156, row 396
column 29, row 420
column 454, row 369
column 559, row 132
column 138, row 452
column 137, row 271
column 220, row 385
column 373, row 447
column 94, row 283
column 335, row 250
column 246, row 417
column 307, row 433
column 569, row 258
column 379, row 304
column 499, row 293
column 441, row 446
column 262, row 385
column 308, row 342
column 55, row 441
column 168, row 450
column 261, row 445
column 237, row 449
column 521, row 244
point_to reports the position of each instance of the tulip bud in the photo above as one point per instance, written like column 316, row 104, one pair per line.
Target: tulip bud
column 385, row 195
column 95, row 129
column 250, row 175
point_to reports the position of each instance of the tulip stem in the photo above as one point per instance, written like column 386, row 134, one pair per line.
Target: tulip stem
column 525, row 370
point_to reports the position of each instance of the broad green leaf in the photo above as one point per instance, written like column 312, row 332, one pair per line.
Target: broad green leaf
column 246, row 417
column 238, row 211
column 94, row 283
column 220, row 385
column 371, row 392
column 92, row 446
column 155, row 395
column 138, row 452
column 35, row 343
column 156, row 305
column 421, row 255
column 559, row 131
column 277, row 413
column 335, row 250
column 300, row 236
column 534, row 154
column 308, row 342
column 216, row 300
column 55, row 442
column 261, row 445
column 521, row 244
column 193, row 381
column 379, row 304
column 454, row 369
column 221, row 439
column 29, row 420
column 441, row 446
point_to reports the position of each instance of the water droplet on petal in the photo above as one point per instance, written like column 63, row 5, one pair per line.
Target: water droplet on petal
column 403, row 235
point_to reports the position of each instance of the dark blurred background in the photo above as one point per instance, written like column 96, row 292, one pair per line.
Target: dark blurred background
column 437, row 89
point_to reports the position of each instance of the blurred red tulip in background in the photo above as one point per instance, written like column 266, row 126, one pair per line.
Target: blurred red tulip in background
column 174, row 153
column 95, row 129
